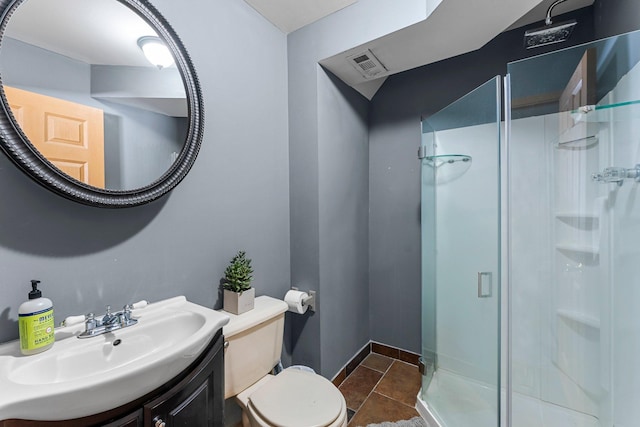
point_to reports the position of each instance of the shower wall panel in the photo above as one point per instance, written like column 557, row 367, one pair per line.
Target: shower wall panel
column 555, row 272
column 625, row 259
column 552, row 348
column 530, row 204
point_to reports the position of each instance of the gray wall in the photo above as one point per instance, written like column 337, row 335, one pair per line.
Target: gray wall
column 328, row 196
column 343, row 220
column 235, row 197
column 613, row 17
column 139, row 144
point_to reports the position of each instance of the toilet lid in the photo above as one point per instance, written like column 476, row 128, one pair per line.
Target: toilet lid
column 296, row 398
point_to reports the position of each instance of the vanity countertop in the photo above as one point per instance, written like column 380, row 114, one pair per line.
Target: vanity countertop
column 81, row 377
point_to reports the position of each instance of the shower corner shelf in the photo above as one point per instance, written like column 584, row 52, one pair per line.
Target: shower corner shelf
column 583, row 319
column 582, row 249
column 580, row 135
column 584, row 132
column 441, row 159
column 576, row 215
column 577, row 142
column 586, row 221
column 617, row 112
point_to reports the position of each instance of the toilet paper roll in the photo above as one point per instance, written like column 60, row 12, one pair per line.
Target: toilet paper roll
column 294, row 301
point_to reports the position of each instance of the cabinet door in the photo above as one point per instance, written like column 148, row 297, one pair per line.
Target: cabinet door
column 194, row 410
column 197, row 401
column 131, row 420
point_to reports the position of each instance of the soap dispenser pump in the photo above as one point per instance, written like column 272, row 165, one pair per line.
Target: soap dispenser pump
column 35, row 322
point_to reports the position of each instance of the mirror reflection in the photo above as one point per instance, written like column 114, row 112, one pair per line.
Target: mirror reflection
column 85, row 95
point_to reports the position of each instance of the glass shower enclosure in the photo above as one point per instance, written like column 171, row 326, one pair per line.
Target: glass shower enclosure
column 460, row 164
column 574, row 262
column 565, row 256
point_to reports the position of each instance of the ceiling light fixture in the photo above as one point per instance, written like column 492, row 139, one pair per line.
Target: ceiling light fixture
column 156, row 51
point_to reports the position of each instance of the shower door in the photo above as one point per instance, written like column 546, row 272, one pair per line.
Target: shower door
column 460, row 157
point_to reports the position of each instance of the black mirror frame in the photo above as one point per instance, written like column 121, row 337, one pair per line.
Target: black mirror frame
column 18, row 148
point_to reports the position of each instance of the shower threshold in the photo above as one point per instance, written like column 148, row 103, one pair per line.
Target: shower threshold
column 452, row 400
column 456, row 401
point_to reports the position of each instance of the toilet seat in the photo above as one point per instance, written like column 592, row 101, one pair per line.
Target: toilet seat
column 297, row 399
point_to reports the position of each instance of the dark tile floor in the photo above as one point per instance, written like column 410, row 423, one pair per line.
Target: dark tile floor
column 381, row 389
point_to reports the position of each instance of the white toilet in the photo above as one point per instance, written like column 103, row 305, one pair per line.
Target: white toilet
column 293, row 398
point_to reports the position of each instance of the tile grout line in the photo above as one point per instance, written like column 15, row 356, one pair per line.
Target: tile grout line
column 373, row 390
column 397, row 358
column 390, row 397
column 395, row 400
column 376, row 385
column 382, row 394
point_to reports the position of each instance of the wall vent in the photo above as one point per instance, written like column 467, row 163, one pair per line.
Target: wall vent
column 367, row 64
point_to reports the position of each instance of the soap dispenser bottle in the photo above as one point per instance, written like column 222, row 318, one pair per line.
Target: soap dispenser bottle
column 35, row 322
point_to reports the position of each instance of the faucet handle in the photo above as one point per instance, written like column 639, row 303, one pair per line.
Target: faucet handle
column 140, row 304
column 109, row 318
column 126, row 313
column 90, row 322
column 73, row 320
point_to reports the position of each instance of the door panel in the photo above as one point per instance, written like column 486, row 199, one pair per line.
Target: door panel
column 69, row 135
column 461, row 259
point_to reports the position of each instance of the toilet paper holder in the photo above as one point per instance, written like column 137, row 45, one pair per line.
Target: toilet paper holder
column 309, row 301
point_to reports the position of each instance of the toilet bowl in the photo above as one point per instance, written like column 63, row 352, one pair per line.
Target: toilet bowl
column 293, row 398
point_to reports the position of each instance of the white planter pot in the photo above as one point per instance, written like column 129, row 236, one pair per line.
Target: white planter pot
column 238, row 303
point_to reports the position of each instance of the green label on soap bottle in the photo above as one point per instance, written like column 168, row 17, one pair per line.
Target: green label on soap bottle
column 36, row 329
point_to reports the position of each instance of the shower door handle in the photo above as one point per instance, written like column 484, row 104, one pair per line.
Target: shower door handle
column 485, row 285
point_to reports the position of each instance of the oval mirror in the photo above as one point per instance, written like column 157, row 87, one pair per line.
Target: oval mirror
column 84, row 112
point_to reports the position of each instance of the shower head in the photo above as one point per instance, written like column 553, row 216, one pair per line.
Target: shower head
column 550, row 33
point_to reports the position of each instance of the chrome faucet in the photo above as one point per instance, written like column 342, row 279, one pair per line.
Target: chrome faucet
column 109, row 319
column 108, row 323
column 617, row 175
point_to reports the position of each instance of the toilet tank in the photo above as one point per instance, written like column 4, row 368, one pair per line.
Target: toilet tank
column 254, row 344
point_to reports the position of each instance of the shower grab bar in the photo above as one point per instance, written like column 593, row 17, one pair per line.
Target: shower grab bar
column 485, row 285
column 617, row 175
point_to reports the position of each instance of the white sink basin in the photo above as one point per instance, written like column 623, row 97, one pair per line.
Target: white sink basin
column 80, row 377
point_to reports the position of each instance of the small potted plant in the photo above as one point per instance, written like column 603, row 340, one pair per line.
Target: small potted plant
column 238, row 293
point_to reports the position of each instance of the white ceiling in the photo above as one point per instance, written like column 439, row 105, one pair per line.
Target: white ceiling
column 97, row 32
column 454, row 27
column 89, row 34
column 290, row 15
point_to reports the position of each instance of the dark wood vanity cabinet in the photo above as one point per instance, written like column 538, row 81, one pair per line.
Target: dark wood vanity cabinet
column 195, row 398
column 132, row 420
column 196, row 401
